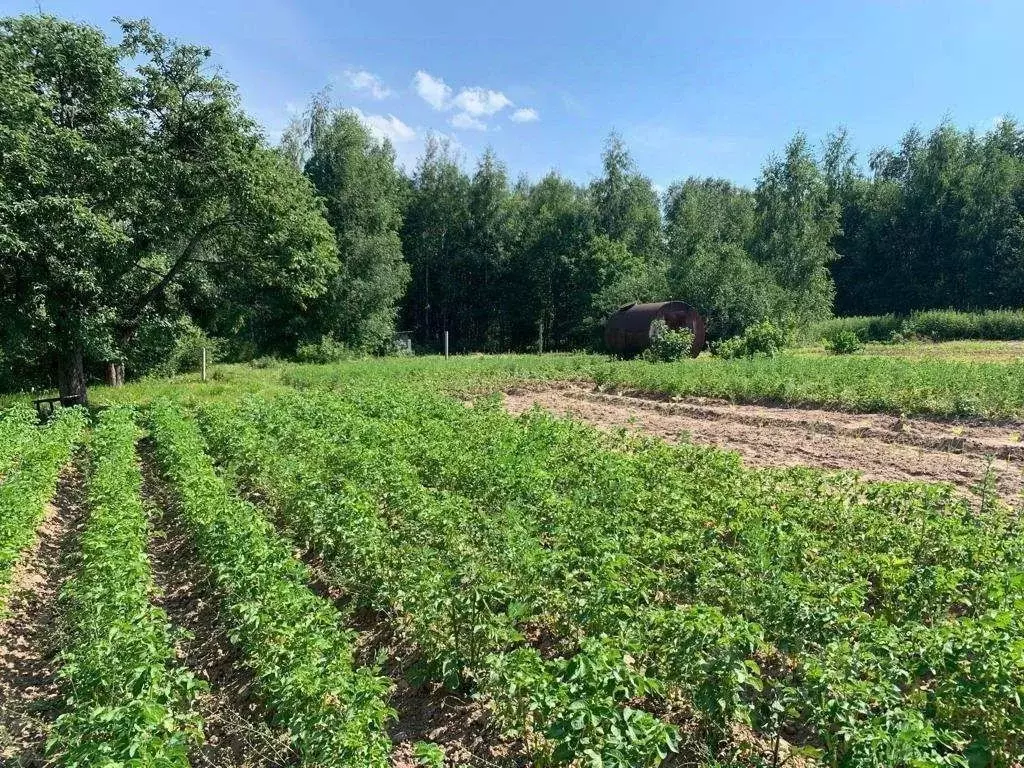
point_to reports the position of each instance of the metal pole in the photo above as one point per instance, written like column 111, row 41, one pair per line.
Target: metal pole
column 204, row 363
column 446, row 345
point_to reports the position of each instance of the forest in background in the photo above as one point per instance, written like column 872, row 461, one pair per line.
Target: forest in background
column 143, row 213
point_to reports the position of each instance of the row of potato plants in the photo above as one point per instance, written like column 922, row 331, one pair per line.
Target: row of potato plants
column 508, row 558
column 925, row 584
column 442, row 567
column 863, row 602
column 333, row 711
column 17, row 425
column 128, row 700
column 30, row 484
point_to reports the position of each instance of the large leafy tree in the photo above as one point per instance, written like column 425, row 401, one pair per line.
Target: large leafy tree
column 548, row 296
column 133, row 187
column 797, row 221
column 709, row 226
column 364, row 196
column 938, row 222
column 433, row 238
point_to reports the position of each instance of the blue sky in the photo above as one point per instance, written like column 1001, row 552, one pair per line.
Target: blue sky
column 709, row 88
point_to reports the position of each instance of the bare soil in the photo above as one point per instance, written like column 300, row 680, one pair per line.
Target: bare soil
column 29, row 640
column 878, row 446
column 234, row 723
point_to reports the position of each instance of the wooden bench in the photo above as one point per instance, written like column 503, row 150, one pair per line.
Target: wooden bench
column 46, row 405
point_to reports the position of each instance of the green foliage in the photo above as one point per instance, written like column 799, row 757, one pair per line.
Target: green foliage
column 667, row 345
column 428, row 755
column 936, row 223
column 136, row 189
column 333, row 711
column 363, row 193
column 949, row 324
column 17, row 428
column 128, row 700
column 842, row 342
column 38, row 457
column 853, row 612
column 327, row 350
column 797, row 222
column 934, row 325
column 166, row 347
column 759, row 340
column 579, row 708
column 745, row 257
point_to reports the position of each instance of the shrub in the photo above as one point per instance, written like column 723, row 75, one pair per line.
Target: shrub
column 842, row 342
column 668, row 345
column 169, row 347
column 759, row 340
column 266, row 361
column 946, row 325
column 934, row 325
column 327, row 350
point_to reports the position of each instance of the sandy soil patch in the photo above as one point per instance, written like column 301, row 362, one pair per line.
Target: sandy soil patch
column 879, row 446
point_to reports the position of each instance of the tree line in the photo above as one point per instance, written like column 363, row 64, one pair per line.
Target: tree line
column 140, row 206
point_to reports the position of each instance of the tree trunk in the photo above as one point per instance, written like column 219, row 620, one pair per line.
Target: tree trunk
column 71, row 376
column 114, row 373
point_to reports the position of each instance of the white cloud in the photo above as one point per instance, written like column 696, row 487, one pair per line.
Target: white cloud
column 386, row 127
column 481, row 101
column 525, row 115
column 361, row 80
column 469, row 104
column 432, row 90
column 466, row 121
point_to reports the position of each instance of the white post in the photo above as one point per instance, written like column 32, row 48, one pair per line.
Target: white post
column 204, row 363
column 446, row 345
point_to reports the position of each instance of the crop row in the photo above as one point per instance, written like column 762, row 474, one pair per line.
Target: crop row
column 443, row 568
column 128, row 700
column 800, row 602
column 17, row 425
column 333, row 711
column 845, row 382
column 29, row 486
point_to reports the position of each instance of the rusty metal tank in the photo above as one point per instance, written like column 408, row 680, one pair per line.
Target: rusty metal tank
column 627, row 331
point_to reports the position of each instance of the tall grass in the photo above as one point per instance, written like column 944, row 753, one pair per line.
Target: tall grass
column 935, row 325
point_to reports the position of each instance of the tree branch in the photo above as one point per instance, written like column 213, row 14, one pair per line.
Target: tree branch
column 187, row 256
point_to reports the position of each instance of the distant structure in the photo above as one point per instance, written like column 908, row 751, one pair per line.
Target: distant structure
column 403, row 342
column 627, row 332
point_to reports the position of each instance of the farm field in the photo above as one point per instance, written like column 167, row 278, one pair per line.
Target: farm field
column 401, row 563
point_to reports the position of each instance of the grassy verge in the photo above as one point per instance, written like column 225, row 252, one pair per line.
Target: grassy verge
column 936, row 325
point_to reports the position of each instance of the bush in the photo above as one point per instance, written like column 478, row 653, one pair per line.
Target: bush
column 866, row 328
column 166, row 347
column 668, row 345
column 934, row 325
column 842, row 342
column 946, row 325
column 327, row 350
column 759, row 340
column 266, row 361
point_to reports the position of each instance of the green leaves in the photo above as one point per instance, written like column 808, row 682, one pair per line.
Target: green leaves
column 128, row 701
column 334, row 712
column 28, row 486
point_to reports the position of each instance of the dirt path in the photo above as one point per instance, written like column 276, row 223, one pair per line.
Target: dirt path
column 28, row 640
column 235, row 729
column 880, row 446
